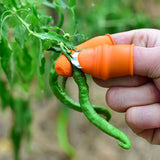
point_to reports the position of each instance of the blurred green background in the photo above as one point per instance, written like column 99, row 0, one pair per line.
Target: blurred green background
column 96, row 17
column 93, row 17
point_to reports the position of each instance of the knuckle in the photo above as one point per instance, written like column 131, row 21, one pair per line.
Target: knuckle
column 140, row 38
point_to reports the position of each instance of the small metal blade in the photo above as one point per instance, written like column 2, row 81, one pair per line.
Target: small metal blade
column 74, row 60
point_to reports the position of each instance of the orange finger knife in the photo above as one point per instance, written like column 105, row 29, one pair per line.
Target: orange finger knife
column 102, row 60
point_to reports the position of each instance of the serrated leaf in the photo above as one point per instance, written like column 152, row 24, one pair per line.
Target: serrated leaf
column 5, row 55
column 23, row 62
column 53, row 36
column 20, row 34
column 36, row 52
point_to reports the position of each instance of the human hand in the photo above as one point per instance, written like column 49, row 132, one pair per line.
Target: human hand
column 139, row 95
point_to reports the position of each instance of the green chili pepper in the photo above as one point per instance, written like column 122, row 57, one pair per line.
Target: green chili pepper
column 85, row 106
column 65, row 99
column 91, row 114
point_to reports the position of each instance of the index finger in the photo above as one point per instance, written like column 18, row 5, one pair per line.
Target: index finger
column 139, row 37
column 123, row 37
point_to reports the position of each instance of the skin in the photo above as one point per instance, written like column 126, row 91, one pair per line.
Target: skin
column 139, row 96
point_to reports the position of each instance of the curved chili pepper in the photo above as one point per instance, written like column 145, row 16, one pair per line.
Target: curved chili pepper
column 92, row 116
column 65, row 99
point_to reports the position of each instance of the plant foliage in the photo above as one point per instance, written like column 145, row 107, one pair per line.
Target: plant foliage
column 30, row 36
column 27, row 30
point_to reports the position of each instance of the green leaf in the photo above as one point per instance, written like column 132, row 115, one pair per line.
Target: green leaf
column 5, row 29
column 34, row 10
column 53, row 36
column 45, row 20
column 16, row 137
column 2, row 8
column 35, row 50
column 23, row 63
column 33, row 20
column 51, row 28
column 4, row 26
column 41, row 68
column 20, row 34
column 21, row 126
column 34, row 2
column 4, row 95
column 42, row 65
column 60, row 4
column 13, row 21
column 11, row 3
column 72, row 3
column 46, row 45
column 5, row 54
column 63, row 4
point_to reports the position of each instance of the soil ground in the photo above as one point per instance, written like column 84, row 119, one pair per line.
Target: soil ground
column 89, row 142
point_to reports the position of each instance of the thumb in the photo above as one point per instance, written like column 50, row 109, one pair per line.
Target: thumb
column 146, row 61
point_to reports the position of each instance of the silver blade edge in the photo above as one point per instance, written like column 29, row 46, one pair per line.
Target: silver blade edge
column 74, row 60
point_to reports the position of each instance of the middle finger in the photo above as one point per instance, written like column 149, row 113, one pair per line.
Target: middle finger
column 122, row 98
column 122, row 81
